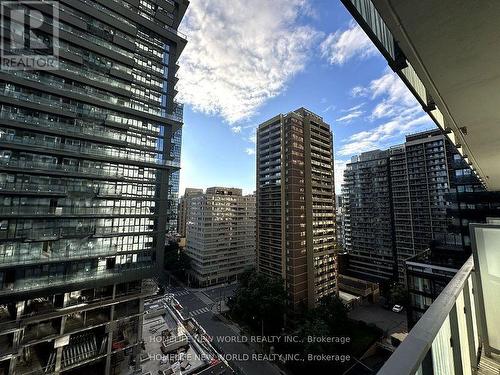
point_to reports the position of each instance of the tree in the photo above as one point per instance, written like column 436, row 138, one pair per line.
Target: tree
column 398, row 295
column 176, row 260
column 328, row 320
column 333, row 311
column 260, row 302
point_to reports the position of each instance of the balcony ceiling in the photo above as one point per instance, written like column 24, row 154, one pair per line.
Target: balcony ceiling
column 454, row 46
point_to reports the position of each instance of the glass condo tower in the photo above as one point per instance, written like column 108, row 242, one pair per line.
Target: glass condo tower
column 89, row 160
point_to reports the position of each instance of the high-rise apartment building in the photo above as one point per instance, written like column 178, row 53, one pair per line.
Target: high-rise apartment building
column 339, row 217
column 174, row 180
column 420, row 179
column 397, row 202
column 88, row 158
column 369, row 228
column 184, row 205
column 296, row 229
column 220, row 235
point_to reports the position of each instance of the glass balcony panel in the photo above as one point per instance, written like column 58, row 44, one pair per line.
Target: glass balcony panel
column 89, row 91
column 487, row 261
column 90, row 149
column 34, row 282
column 442, row 354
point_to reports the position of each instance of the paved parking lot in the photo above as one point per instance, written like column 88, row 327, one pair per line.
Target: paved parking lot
column 390, row 322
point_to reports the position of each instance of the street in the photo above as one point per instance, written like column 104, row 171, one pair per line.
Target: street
column 202, row 305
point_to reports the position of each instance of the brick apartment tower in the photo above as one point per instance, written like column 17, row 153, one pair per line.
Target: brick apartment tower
column 296, row 234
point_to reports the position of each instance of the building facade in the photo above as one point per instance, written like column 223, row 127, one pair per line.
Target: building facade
column 296, row 227
column 220, row 235
column 369, row 227
column 88, row 158
column 339, row 218
column 420, row 175
column 406, row 198
column 184, row 205
column 427, row 274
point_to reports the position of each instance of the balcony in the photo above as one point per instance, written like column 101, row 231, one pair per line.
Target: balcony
column 77, row 128
column 23, row 254
column 459, row 332
column 45, row 281
column 66, row 169
column 74, row 211
column 93, row 150
column 27, row 188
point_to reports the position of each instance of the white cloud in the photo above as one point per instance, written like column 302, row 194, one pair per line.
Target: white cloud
column 358, row 91
column 384, row 134
column 339, row 167
column 399, row 110
column 253, row 137
column 250, row 151
column 393, row 88
column 344, row 45
column 355, row 108
column 329, row 108
column 236, row 129
column 352, row 113
column 237, row 58
column 350, row 116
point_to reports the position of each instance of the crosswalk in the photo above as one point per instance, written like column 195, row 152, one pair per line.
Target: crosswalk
column 203, row 310
column 181, row 293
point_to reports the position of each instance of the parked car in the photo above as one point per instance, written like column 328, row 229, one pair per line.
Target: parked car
column 397, row 308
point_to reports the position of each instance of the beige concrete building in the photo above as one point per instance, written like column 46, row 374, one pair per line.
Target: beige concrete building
column 296, row 234
column 220, row 235
column 184, row 204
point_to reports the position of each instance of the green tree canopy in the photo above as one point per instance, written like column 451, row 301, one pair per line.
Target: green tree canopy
column 259, row 300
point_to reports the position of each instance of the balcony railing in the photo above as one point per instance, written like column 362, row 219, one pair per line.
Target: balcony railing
column 78, row 128
column 142, row 269
column 458, row 334
column 446, row 339
column 87, row 149
column 74, row 211
column 90, row 171
column 27, row 254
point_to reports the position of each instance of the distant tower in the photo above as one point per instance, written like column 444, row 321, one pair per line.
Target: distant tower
column 184, row 204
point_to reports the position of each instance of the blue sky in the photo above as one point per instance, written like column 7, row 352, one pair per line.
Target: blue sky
column 246, row 63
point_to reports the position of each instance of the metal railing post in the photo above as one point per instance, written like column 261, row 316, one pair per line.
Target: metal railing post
column 455, row 341
column 469, row 323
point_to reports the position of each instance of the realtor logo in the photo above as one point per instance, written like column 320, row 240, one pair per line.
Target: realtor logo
column 29, row 35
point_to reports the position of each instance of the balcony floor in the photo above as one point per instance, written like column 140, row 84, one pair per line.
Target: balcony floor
column 489, row 366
